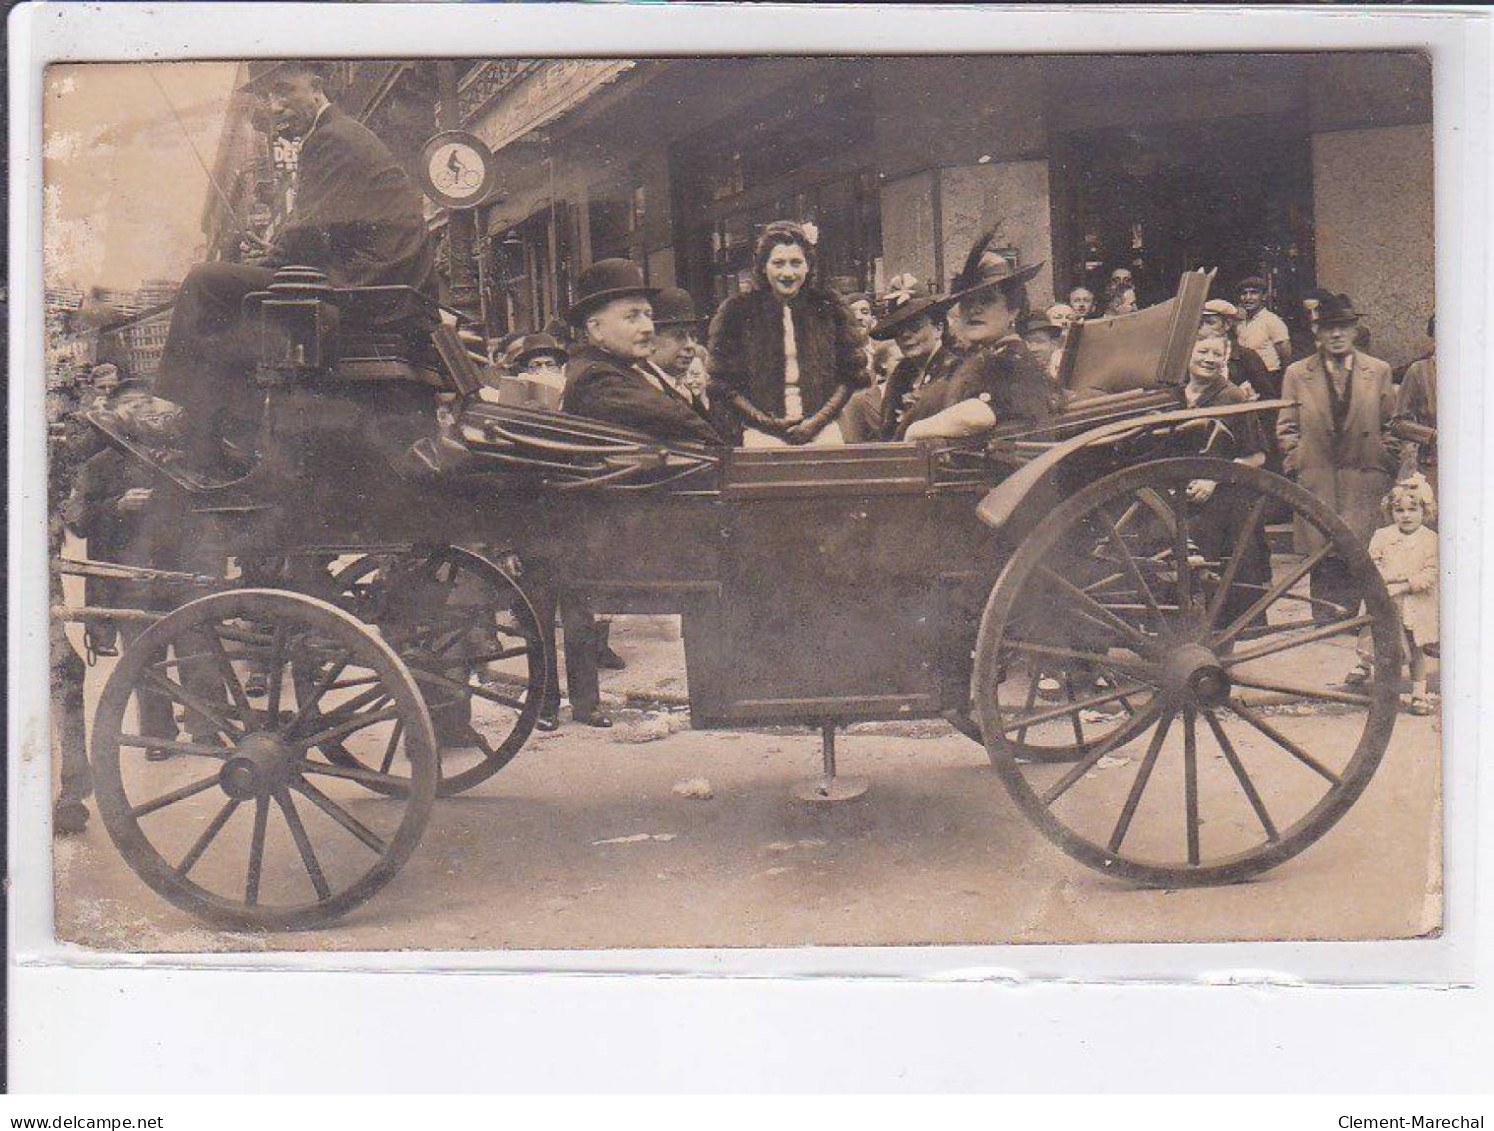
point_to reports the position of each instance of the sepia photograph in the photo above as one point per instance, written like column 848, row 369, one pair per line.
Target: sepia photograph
column 523, row 503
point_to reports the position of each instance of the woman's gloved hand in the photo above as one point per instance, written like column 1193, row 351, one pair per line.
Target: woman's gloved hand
column 807, row 430
column 754, row 417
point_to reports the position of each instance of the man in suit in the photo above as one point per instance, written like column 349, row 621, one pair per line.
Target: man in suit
column 677, row 334
column 354, row 215
column 608, row 377
column 1335, row 442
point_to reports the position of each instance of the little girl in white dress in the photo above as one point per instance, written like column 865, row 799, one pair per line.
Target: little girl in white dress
column 1405, row 553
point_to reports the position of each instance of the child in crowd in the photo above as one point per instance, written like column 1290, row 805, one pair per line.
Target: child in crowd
column 1405, row 553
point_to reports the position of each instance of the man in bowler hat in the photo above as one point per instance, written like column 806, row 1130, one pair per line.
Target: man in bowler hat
column 1336, row 442
column 676, row 342
column 607, row 377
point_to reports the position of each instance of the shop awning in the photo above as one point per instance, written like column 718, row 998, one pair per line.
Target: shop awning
column 542, row 95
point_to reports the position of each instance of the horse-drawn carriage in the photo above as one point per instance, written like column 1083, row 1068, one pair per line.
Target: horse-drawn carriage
column 349, row 630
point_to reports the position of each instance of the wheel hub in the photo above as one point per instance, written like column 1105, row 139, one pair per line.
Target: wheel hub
column 260, row 766
column 1193, row 674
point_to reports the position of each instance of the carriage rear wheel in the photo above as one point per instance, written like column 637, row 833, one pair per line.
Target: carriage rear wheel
column 246, row 820
column 1228, row 748
column 471, row 639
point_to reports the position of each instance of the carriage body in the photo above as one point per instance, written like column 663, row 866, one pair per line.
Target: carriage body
column 817, row 586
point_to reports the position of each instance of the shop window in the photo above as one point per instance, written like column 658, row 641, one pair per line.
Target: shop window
column 1232, row 194
column 611, row 228
column 803, row 156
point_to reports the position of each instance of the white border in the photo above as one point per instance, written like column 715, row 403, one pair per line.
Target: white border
column 1029, row 985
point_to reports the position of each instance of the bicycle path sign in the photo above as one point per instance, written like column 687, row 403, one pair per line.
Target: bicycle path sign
column 456, row 169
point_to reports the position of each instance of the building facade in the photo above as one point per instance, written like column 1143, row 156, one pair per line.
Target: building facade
column 1313, row 170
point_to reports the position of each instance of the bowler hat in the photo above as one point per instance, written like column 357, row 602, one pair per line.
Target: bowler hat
column 1253, row 283
column 603, row 281
column 988, row 267
column 532, row 345
column 906, row 299
column 1337, row 310
column 674, row 306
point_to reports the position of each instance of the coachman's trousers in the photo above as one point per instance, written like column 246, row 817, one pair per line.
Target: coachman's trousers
column 210, row 352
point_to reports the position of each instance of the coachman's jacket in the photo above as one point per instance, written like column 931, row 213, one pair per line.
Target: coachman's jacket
column 1348, row 459
column 605, row 387
column 355, row 213
column 746, row 349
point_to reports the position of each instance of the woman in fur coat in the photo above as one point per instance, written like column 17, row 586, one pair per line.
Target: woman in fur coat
column 784, row 357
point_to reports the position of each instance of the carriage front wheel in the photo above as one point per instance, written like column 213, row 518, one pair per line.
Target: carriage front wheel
column 1226, row 741
column 245, row 812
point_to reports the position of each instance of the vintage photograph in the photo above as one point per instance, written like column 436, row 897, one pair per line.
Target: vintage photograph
column 592, row 503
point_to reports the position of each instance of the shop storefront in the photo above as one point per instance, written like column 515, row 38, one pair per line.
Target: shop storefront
column 805, row 153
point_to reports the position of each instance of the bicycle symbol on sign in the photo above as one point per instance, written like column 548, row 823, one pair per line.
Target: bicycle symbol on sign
column 457, row 176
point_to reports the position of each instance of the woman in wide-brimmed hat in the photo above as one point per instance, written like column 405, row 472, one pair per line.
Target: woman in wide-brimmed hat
column 785, row 357
column 999, row 381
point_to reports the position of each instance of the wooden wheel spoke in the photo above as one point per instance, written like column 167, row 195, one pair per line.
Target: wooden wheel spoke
column 303, row 845
column 367, row 836
column 1128, row 559
column 1246, row 785
column 347, row 727
column 1326, row 694
column 276, row 674
column 493, row 657
column 1138, row 670
column 1094, row 611
column 348, row 684
column 174, row 690
column 1074, row 719
column 1181, row 564
column 1271, row 595
column 1139, row 783
column 394, row 737
column 430, row 677
column 1100, row 749
column 1190, row 783
column 1071, row 709
column 174, row 796
column 256, row 851
column 373, row 695
column 229, row 676
column 1034, row 679
column 171, row 746
column 308, row 708
column 1283, row 741
column 209, row 834
column 1285, row 642
column 1237, row 554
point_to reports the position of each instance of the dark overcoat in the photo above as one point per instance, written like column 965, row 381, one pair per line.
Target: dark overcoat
column 355, row 213
column 1352, row 474
column 746, row 349
column 605, row 387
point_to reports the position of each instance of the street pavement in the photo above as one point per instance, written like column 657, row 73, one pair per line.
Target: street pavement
column 593, row 839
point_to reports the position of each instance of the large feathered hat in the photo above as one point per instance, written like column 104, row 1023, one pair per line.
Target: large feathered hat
column 987, row 267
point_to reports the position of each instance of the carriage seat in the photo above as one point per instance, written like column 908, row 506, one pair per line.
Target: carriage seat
column 386, row 336
column 355, row 334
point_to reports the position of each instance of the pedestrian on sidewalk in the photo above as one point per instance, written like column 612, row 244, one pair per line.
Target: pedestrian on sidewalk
column 1405, row 552
column 1335, row 442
